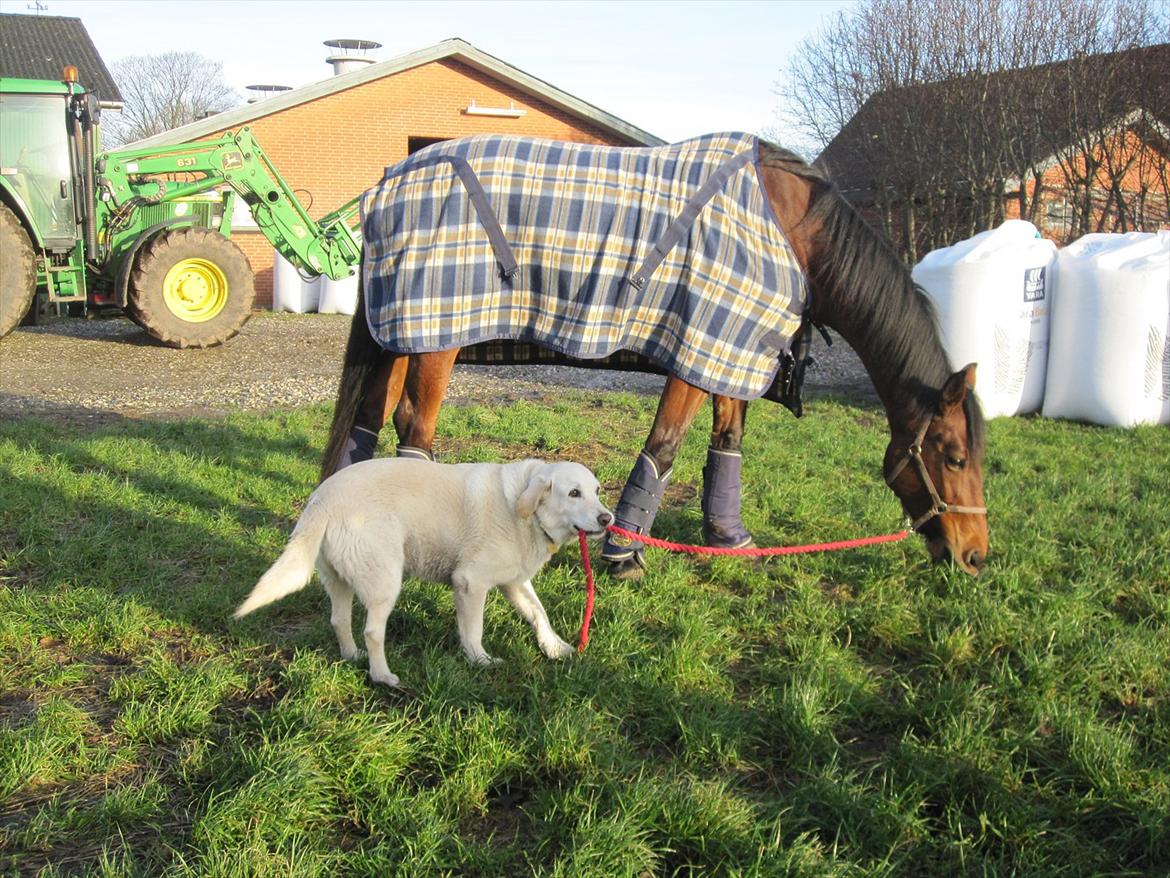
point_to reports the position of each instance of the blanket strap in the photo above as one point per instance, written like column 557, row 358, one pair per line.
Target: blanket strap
column 677, row 231
column 483, row 209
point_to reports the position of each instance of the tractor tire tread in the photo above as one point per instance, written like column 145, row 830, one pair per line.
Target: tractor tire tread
column 18, row 271
column 148, row 309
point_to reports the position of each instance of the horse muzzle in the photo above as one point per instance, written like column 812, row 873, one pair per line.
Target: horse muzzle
column 970, row 560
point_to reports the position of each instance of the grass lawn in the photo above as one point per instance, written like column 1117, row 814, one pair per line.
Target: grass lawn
column 855, row 714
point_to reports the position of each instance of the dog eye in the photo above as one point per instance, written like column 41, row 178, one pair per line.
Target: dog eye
column 576, row 492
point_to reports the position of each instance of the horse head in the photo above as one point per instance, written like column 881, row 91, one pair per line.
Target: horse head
column 935, row 467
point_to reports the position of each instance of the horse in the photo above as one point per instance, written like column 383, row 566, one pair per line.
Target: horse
column 851, row 281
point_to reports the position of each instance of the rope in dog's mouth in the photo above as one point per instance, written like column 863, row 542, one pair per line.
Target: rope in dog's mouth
column 748, row 551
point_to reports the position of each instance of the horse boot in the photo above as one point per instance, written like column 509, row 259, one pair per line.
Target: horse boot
column 358, row 447
column 417, row 453
column 722, row 484
column 635, row 512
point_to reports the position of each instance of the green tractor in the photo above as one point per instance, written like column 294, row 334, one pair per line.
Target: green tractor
column 144, row 231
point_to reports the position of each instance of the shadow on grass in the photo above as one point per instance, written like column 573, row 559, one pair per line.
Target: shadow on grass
column 182, row 516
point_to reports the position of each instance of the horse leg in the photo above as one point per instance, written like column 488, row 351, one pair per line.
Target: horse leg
column 647, row 482
column 404, row 415
column 418, row 411
column 722, row 482
column 380, row 395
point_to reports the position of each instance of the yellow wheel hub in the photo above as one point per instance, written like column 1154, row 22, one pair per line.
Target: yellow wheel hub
column 195, row 290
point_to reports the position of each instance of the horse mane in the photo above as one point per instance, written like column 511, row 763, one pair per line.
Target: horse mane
column 859, row 283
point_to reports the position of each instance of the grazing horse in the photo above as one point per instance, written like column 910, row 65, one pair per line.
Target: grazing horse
column 709, row 283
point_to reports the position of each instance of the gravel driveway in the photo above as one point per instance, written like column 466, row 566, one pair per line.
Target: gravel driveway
column 94, row 370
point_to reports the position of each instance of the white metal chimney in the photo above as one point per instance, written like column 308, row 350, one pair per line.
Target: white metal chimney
column 350, row 54
column 265, row 91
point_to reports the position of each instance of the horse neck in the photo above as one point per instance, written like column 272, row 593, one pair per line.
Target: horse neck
column 860, row 288
column 894, row 335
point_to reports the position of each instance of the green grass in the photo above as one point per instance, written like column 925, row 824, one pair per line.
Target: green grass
column 855, row 714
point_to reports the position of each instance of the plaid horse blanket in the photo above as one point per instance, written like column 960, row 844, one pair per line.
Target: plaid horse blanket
column 671, row 253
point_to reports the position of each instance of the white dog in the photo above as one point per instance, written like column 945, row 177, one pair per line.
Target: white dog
column 472, row 525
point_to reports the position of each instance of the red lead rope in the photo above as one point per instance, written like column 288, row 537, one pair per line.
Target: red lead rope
column 750, row 552
column 584, row 638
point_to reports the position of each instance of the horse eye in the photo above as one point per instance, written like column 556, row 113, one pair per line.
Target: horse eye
column 576, row 492
column 956, row 462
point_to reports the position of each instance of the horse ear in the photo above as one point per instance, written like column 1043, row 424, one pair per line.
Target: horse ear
column 955, row 390
column 538, row 486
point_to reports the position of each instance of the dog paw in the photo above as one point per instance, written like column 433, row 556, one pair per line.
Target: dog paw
column 386, row 679
column 353, row 655
column 558, row 649
column 483, row 660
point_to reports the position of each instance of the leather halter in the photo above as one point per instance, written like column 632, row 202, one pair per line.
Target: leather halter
column 938, row 506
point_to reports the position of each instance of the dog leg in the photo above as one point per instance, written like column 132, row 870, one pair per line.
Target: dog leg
column 376, row 616
column 523, row 597
column 470, row 598
column 341, row 612
column 379, row 604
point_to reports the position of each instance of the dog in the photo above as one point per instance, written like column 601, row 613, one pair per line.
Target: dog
column 471, row 525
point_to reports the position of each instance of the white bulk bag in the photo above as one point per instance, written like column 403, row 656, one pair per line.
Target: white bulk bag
column 291, row 292
column 991, row 293
column 339, row 296
column 1109, row 360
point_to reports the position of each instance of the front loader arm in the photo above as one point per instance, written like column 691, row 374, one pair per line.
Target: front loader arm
column 147, row 176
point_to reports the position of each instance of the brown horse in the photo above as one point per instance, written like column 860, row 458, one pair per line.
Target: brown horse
column 857, row 286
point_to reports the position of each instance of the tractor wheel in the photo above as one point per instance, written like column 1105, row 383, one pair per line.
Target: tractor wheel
column 191, row 288
column 18, row 271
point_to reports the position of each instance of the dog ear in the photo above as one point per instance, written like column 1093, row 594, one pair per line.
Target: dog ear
column 538, row 486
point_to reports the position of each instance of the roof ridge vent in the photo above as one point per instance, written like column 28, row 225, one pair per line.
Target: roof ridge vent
column 265, row 91
column 350, row 55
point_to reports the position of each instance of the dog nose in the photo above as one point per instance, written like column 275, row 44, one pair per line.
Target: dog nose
column 605, row 519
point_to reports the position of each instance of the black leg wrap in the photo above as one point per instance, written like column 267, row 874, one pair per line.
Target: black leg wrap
column 722, row 486
column 418, row 453
column 358, row 447
column 636, row 508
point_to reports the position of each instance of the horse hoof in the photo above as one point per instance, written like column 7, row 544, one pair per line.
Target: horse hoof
column 717, row 539
column 630, row 569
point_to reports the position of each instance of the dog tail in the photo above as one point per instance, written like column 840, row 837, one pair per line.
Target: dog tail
column 294, row 568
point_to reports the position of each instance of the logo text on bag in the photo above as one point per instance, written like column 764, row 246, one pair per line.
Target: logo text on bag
column 1034, row 284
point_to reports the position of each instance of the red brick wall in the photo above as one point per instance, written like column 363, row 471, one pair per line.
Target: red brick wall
column 1144, row 170
column 337, row 146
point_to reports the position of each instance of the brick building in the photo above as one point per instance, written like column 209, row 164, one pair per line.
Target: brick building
column 1118, row 180
column 1074, row 147
column 331, row 140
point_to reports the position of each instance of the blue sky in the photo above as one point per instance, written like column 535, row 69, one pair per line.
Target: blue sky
column 673, row 68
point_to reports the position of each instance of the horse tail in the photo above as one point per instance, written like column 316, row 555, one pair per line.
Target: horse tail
column 294, row 568
column 362, row 357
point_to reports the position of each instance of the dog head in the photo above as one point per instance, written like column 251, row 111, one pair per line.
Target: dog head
column 564, row 498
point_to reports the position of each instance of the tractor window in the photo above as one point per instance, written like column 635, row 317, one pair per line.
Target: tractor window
column 34, row 159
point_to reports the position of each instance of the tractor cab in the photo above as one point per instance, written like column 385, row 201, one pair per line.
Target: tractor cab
column 36, row 158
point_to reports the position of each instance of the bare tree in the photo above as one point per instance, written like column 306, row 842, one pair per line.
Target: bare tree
column 1112, row 180
column 937, row 108
column 165, row 91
